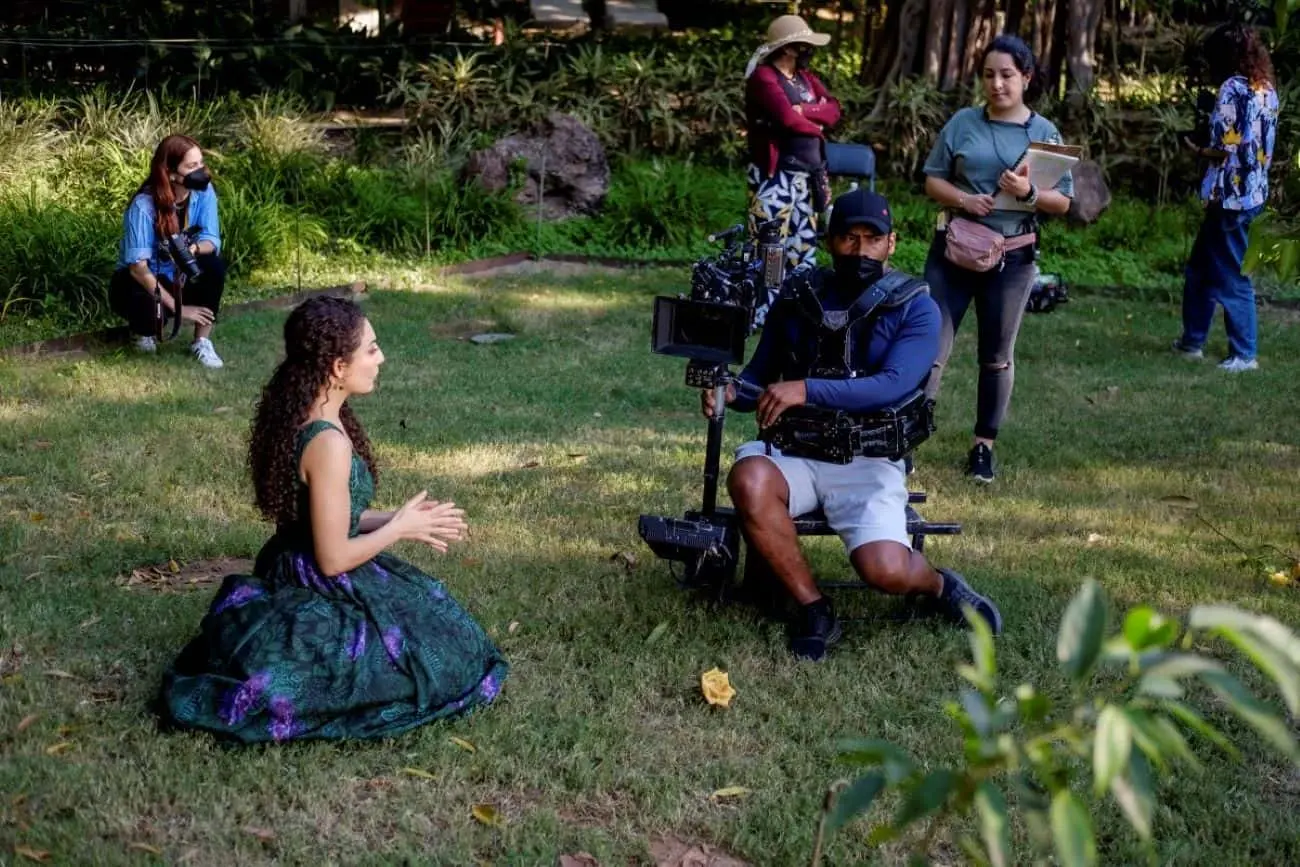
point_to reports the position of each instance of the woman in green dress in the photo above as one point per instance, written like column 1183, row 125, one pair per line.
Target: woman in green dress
column 330, row 637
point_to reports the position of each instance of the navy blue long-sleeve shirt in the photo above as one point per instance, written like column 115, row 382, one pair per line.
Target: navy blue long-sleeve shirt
column 903, row 345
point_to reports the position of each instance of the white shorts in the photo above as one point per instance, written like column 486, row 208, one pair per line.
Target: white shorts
column 864, row 501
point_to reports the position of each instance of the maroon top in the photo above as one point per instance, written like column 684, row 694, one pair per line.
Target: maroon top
column 765, row 99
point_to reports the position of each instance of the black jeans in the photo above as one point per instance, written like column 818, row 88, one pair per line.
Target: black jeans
column 1000, row 297
column 136, row 305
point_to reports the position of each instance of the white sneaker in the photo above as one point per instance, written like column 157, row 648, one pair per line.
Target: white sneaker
column 146, row 344
column 1236, row 364
column 206, row 353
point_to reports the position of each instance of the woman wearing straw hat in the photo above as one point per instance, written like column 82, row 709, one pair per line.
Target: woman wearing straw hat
column 787, row 111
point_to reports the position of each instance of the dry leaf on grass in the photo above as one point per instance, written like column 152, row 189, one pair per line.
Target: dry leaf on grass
column 530, row 465
column 1178, row 501
column 717, row 688
column 38, row 855
column 463, row 744
column 145, row 847
column 41, row 444
column 266, row 835
column 513, row 627
column 729, row 792
column 60, row 748
column 672, row 852
column 61, row 674
column 26, row 722
column 626, row 559
column 417, row 772
column 485, row 814
column 581, row 859
column 86, row 624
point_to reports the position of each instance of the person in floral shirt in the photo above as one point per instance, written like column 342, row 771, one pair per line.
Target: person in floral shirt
column 1242, row 132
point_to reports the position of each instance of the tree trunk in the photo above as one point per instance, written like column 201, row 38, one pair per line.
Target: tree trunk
column 958, row 30
column 1040, row 40
column 910, row 30
column 983, row 22
column 1015, row 16
column 878, row 49
column 1081, row 58
column 936, row 39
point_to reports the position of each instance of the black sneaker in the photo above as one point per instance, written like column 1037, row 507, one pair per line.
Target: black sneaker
column 979, row 464
column 956, row 592
column 817, row 630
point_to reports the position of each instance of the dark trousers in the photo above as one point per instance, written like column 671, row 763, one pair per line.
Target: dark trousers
column 1000, row 297
column 1213, row 276
column 131, row 301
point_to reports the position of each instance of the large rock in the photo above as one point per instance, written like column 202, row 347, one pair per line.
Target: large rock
column 575, row 179
column 1091, row 195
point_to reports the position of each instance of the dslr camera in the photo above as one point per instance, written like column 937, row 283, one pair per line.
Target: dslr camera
column 728, row 298
column 177, row 248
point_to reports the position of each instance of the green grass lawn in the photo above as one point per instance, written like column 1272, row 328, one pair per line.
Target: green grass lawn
column 555, row 443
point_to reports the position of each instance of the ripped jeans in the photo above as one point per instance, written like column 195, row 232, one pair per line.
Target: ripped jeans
column 1000, row 297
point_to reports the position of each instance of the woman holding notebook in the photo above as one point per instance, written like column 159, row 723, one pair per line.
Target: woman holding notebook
column 986, row 244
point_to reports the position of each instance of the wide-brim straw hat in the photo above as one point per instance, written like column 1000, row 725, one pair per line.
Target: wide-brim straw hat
column 786, row 30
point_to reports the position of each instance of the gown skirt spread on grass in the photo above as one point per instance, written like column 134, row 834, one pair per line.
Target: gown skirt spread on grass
column 289, row 653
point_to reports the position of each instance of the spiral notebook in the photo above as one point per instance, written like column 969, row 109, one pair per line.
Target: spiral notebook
column 1048, row 163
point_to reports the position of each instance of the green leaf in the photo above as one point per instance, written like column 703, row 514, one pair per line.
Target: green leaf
column 976, row 706
column 1111, row 745
column 1197, row 723
column 1072, row 831
column 1145, row 627
column 1134, row 792
column 1270, row 661
column 1269, row 726
column 1082, row 631
column 927, row 797
column 1277, row 634
column 981, row 646
column 855, row 800
column 870, row 752
column 995, row 827
column 1159, row 738
column 1161, row 679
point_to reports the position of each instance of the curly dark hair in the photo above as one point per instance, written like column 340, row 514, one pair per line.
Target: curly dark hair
column 318, row 332
column 1235, row 49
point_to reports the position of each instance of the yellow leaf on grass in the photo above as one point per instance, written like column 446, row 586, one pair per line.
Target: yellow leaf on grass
column 173, row 566
column 59, row 748
column 463, row 744
column 417, row 772
column 717, row 688
column 39, row 855
column 485, row 814
column 730, row 792
column 1281, row 579
column 145, row 847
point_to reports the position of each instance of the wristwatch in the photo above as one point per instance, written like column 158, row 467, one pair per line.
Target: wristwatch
column 1032, row 198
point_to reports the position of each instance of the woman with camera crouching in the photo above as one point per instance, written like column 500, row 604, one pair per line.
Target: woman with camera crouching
column 169, row 262
column 973, row 160
column 1243, row 128
column 787, row 111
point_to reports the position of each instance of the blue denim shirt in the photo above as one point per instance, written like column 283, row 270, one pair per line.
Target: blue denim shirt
column 1244, row 125
column 139, row 237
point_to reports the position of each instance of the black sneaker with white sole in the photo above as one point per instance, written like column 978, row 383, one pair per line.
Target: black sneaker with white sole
column 816, row 630
column 979, row 464
column 956, row 593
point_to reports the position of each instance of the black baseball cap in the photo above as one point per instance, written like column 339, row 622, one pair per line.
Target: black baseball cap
column 860, row 207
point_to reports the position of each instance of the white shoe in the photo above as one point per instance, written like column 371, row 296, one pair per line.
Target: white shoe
column 206, row 353
column 1236, row 364
column 146, row 344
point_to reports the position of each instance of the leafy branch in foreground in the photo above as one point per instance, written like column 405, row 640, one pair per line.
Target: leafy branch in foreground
column 1122, row 730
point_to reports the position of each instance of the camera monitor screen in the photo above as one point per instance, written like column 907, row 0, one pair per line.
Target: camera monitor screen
column 700, row 330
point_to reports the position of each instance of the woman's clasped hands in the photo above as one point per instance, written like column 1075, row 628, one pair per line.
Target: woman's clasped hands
column 429, row 521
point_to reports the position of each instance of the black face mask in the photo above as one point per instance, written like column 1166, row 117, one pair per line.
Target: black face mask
column 197, row 180
column 803, row 57
column 856, row 272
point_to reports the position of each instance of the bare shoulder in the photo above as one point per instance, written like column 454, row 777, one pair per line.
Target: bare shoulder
column 329, row 451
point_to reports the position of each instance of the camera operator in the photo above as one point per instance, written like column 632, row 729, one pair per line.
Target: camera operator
column 885, row 355
column 177, row 195
column 1243, row 127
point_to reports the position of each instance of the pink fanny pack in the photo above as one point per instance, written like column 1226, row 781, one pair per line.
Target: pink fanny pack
column 976, row 247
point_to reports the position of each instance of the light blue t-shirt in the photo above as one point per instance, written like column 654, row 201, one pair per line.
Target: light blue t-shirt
column 972, row 151
column 140, row 239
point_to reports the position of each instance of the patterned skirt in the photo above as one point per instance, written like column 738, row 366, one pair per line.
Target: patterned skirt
column 785, row 196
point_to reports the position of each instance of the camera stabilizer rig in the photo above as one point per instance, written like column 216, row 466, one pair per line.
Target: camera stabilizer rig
column 709, row 329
